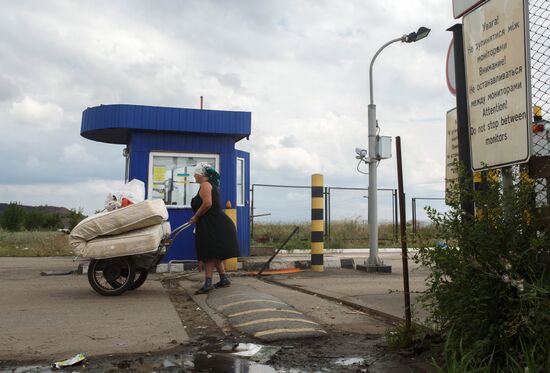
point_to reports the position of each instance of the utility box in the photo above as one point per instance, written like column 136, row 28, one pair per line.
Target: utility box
column 383, row 147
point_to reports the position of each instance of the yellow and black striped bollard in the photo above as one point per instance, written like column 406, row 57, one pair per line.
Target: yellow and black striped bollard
column 317, row 223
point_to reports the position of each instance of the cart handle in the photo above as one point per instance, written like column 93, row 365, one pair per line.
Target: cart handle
column 178, row 230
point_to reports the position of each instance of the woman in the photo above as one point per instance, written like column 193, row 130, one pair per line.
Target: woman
column 215, row 234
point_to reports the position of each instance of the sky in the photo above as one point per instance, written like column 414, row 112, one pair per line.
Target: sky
column 300, row 67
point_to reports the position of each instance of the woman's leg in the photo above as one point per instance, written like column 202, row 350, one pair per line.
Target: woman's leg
column 224, row 281
column 208, row 271
column 219, row 266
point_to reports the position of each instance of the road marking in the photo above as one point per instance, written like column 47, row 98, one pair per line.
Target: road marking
column 284, row 330
column 258, row 310
column 249, row 301
column 273, row 319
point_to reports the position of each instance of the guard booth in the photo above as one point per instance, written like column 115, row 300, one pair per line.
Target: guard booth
column 163, row 146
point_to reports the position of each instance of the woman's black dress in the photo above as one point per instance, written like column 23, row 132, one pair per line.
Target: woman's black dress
column 215, row 234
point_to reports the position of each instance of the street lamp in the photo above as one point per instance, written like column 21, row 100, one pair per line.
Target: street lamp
column 374, row 259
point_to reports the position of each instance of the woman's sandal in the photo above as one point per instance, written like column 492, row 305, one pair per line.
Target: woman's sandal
column 222, row 283
column 204, row 290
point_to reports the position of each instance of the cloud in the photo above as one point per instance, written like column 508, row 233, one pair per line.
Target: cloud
column 8, row 89
column 42, row 116
column 78, row 152
column 301, row 68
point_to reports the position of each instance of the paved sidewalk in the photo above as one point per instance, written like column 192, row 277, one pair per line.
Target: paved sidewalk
column 330, row 314
column 55, row 317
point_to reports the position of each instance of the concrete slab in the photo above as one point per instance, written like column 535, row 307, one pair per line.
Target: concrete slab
column 54, row 317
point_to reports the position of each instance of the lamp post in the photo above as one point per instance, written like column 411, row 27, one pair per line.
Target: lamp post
column 374, row 259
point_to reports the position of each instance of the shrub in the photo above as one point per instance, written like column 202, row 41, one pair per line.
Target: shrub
column 489, row 287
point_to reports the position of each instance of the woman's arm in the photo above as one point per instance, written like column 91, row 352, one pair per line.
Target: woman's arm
column 205, row 192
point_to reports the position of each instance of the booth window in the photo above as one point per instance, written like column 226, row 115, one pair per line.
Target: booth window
column 171, row 176
column 240, row 182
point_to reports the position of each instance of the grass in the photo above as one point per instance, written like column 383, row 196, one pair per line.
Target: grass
column 35, row 243
column 343, row 234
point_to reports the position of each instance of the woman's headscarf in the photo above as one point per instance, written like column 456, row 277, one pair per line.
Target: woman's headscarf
column 204, row 169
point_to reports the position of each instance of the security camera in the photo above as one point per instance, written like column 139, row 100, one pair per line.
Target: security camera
column 361, row 153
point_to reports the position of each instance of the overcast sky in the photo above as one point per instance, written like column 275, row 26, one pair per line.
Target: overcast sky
column 300, row 68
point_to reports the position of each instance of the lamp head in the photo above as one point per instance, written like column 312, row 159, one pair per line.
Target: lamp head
column 416, row 36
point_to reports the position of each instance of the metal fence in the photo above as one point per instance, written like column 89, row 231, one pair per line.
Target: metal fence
column 539, row 36
column 414, row 210
column 291, row 203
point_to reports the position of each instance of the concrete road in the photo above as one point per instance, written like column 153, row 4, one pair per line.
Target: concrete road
column 379, row 291
column 55, row 317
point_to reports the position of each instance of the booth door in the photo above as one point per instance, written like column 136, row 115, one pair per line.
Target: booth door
column 243, row 201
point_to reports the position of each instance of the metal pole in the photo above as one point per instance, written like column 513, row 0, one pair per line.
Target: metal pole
column 395, row 213
column 414, row 215
column 252, row 212
column 507, row 185
column 466, row 201
column 402, row 215
column 325, row 195
column 393, row 217
column 328, row 213
column 374, row 259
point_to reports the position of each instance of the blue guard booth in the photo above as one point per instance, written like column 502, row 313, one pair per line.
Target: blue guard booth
column 163, row 146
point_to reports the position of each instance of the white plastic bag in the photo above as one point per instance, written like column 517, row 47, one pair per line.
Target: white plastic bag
column 133, row 192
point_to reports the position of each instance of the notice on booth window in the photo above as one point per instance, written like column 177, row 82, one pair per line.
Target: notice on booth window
column 497, row 83
column 159, row 174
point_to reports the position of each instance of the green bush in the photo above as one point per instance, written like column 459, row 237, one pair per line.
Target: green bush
column 13, row 217
column 489, row 287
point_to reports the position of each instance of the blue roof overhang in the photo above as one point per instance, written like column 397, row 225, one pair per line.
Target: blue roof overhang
column 115, row 123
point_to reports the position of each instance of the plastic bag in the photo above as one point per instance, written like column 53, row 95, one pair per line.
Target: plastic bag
column 130, row 193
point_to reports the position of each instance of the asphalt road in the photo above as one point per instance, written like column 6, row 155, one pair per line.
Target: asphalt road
column 54, row 317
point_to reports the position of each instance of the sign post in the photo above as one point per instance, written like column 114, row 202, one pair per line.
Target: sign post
column 498, row 87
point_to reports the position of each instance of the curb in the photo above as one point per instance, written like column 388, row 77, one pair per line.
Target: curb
column 253, row 265
column 344, row 263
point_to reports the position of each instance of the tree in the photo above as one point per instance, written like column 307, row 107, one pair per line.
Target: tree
column 53, row 221
column 13, row 217
column 34, row 219
column 75, row 217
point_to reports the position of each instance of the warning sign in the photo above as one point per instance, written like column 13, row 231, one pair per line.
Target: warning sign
column 451, row 173
column 497, row 77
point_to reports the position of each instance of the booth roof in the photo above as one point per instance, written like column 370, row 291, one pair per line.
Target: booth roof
column 114, row 123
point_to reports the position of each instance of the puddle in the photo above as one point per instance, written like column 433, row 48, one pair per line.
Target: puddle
column 201, row 362
column 350, row 361
column 228, row 364
column 31, row 369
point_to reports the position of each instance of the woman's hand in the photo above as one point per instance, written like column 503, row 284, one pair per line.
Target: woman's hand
column 193, row 219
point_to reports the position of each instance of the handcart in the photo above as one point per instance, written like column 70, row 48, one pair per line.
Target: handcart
column 113, row 276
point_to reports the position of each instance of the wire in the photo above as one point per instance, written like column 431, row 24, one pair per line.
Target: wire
column 358, row 170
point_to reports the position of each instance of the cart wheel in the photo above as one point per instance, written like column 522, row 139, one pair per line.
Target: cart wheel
column 111, row 276
column 141, row 276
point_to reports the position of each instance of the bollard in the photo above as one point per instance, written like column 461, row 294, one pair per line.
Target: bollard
column 231, row 263
column 317, row 223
